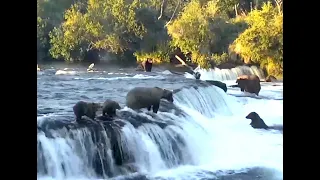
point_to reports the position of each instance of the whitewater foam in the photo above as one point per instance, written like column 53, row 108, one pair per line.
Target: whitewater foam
column 228, row 74
column 137, row 76
column 65, row 72
column 215, row 133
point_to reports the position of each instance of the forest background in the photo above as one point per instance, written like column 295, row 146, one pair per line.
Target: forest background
column 129, row 31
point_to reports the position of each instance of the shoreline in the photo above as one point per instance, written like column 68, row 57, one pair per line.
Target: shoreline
column 108, row 65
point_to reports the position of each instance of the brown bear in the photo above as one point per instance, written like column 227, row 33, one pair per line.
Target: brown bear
column 258, row 123
column 145, row 97
column 249, row 83
column 145, row 65
column 82, row 108
column 271, row 78
column 110, row 107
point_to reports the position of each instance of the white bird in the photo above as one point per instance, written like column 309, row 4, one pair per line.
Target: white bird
column 90, row 68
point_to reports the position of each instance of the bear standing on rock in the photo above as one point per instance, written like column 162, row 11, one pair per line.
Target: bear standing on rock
column 82, row 108
column 145, row 97
column 110, row 107
column 249, row 83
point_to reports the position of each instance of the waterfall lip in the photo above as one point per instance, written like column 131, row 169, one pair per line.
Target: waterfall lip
column 197, row 84
column 123, row 118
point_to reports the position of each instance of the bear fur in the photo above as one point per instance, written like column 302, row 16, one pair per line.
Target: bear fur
column 145, row 65
column 271, row 78
column 258, row 123
column 147, row 97
column 249, row 83
column 82, row 108
column 110, row 107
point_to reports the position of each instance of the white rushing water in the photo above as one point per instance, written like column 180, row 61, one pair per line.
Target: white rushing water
column 229, row 74
column 216, row 133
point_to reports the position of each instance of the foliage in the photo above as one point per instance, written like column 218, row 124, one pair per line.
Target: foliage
column 219, row 59
column 159, row 55
column 203, row 29
column 49, row 15
column 262, row 42
column 132, row 30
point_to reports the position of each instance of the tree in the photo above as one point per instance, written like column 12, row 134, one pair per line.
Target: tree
column 262, row 42
column 202, row 29
column 49, row 15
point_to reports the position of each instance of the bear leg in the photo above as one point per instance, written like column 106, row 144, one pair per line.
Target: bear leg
column 155, row 107
column 78, row 118
column 149, row 108
column 242, row 89
column 92, row 116
column 113, row 112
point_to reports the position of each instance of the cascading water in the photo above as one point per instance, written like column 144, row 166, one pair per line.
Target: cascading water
column 202, row 135
column 207, row 102
column 80, row 152
column 229, row 74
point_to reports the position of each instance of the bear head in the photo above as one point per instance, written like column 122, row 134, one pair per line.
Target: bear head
column 168, row 95
column 253, row 116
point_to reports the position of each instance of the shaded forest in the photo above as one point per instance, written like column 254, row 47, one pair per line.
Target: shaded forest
column 212, row 31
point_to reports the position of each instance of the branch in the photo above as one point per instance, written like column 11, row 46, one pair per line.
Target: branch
column 235, row 9
column 279, row 3
column 89, row 46
column 161, row 10
column 182, row 63
column 174, row 12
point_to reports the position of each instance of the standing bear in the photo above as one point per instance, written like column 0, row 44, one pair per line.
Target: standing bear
column 110, row 107
column 147, row 97
column 145, row 66
column 82, row 108
column 249, row 83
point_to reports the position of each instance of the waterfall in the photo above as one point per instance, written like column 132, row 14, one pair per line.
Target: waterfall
column 180, row 134
column 229, row 74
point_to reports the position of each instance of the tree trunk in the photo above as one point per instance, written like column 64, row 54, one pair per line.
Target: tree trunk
column 235, row 9
column 162, row 9
column 174, row 12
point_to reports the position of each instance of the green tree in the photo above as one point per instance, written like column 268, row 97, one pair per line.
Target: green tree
column 72, row 39
column 262, row 42
column 114, row 26
column 49, row 15
column 202, row 29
